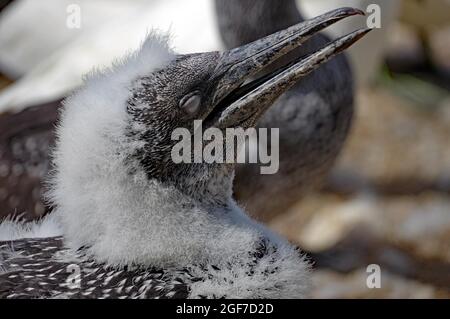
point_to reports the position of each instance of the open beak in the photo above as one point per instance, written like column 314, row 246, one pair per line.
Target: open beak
column 237, row 101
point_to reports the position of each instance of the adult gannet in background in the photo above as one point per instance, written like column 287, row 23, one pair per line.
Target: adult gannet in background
column 136, row 224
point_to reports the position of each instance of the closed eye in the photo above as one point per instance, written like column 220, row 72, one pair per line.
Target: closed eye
column 191, row 103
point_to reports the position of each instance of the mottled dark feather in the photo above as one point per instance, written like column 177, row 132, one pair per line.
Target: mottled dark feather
column 44, row 268
column 36, row 268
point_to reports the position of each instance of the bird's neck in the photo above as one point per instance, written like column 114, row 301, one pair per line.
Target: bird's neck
column 126, row 218
column 209, row 185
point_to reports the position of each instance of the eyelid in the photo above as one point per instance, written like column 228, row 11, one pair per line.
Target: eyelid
column 190, row 103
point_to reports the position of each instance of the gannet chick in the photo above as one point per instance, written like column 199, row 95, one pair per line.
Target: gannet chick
column 138, row 225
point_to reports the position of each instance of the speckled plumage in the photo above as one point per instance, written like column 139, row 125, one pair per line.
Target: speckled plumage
column 44, row 268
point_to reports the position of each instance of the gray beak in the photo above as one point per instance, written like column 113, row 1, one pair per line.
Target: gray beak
column 239, row 104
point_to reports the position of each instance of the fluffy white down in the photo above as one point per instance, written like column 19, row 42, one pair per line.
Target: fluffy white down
column 13, row 229
column 288, row 277
column 127, row 219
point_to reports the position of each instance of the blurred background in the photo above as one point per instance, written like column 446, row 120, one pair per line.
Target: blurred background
column 387, row 200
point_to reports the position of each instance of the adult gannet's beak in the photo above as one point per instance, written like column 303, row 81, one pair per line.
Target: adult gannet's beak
column 237, row 101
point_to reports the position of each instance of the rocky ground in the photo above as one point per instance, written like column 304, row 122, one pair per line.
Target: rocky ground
column 387, row 203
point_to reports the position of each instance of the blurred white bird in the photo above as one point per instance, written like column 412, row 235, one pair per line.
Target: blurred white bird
column 54, row 65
